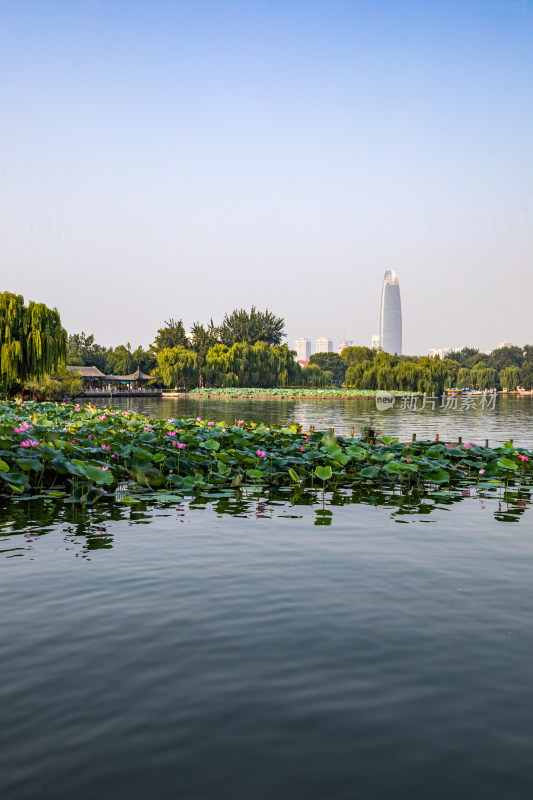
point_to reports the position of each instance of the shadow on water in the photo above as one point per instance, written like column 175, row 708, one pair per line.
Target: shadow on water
column 92, row 527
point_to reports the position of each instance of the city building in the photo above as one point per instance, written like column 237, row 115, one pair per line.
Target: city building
column 439, row 352
column 303, row 349
column 375, row 342
column 324, row 345
column 390, row 323
column 344, row 343
column 505, row 343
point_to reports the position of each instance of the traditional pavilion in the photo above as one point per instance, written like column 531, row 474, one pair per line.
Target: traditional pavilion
column 95, row 382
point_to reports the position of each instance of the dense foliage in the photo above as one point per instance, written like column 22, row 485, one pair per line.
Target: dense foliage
column 330, row 362
column 32, row 341
column 84, row 453
column 250, row 327
column 370, row 369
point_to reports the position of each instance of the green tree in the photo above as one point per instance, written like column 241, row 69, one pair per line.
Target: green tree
column 120, row 360
column 32, row 341
column 172, row 335
column 464, row 378
column 332, row 362
column 504, row 357
column 526, row 375
column 251, row 327
column 82, row 350
column 178, row 366
column 357, row 354
column 60, row 383
column 509, row 378
column 202, row 339
column 312, row 375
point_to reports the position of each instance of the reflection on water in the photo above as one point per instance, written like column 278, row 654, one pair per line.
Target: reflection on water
column 23, row 522
column 268, row 646
column 511, row 417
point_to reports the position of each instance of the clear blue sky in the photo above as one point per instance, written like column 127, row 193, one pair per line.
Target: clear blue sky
column 180, row 159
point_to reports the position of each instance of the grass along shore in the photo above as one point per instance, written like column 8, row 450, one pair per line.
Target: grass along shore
column 303, row 394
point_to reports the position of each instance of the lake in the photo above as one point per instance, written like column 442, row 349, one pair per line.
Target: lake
column 510, row 418
column 287, row 644
column 264, row 647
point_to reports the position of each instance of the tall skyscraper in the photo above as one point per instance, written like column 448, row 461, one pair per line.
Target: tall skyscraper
column 324, row 345
column 303, row 349
column 390, row 324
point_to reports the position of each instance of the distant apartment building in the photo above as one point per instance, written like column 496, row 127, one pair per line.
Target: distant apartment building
column 324, row 345
column 439, row 352
column 376, row 342
column 303, row 349
column 344, row 343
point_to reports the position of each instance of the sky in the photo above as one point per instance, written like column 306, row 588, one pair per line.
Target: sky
column 179, row 159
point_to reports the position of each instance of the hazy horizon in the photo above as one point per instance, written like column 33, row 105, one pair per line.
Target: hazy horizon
column 165, row 159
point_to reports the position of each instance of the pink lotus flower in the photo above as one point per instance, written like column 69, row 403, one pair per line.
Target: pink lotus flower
column 125, row 413
column 171, row 433
column 306, row 440
column 105, row 446
column 102, row 417
column 170, row 421
column 198, row 419
column 103, row 468
column 147, row 429
column 29, row 443
column 73, row 441
column 90, row 436
column 261, row 453
column 181, row 445
column 481, row 471
column 113, row 455
column 240, row 422
column 210, row 423
column 408, row 460
column 302, row 448
column 23, row 428
column 466, row 446
column 223, row 430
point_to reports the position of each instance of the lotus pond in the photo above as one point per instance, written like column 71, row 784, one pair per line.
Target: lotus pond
column 83, row 454
column 292, row 392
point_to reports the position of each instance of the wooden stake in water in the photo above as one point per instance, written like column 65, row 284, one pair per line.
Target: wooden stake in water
column 414, row 437
column 436, row 437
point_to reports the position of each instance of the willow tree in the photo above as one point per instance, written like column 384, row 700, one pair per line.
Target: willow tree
column 178, row 366
column 32, row 341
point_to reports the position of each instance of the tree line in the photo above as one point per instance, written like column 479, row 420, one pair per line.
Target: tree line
column 503, row 368
column 244, row 350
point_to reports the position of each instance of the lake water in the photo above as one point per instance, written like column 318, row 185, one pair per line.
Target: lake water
column 263, row 648
column 510, row 418
column 295, row 646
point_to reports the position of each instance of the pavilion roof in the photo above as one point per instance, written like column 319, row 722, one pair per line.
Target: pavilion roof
column 135, row 376
column 86, row 372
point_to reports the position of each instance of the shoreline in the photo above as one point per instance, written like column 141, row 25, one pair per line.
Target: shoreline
column 210, row 396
